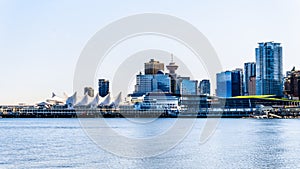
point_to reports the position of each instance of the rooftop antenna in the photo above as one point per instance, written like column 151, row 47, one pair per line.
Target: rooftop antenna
column 172, row 59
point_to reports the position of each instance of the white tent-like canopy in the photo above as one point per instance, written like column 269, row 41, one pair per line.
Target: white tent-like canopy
column 118, row 100
column 72, row 99
column 84, row 101
column 95, row 102
column 106, row 101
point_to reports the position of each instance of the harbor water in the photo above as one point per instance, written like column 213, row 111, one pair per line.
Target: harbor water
column 236, row 143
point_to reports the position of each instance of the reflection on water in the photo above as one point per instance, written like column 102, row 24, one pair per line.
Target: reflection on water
column 236, row 143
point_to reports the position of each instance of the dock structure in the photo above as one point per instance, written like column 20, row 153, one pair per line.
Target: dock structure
column 194, row 106
column 130, row 112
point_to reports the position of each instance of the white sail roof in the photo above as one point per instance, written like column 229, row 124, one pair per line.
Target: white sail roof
column 72, row 99
column 107, row 100
column 118, row 100
column 84, row 101
column 97, row 99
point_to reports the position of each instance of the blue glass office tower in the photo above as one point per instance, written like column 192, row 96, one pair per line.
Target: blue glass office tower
column 152, row 83
column 237, row 82
column 144, row 83
column 249, row 71
column 103, row 87
column 229, row 83
column 161, row 83
column 188, row 87
column 269, row 78
column 204, row 87
column 224, row 84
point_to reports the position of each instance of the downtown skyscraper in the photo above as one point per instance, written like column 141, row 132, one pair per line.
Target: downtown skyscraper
column 249, row 75
column 152, row 67
column 154, row 79
column 204, row 87
column 103, row 87
column 229, row 83
column 269, row 69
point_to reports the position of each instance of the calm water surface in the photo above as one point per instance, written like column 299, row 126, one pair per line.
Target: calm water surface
column 236, row 143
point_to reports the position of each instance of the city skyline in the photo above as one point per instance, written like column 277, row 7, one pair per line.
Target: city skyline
column 160, row 70
column 149, row 84
column 41, row 41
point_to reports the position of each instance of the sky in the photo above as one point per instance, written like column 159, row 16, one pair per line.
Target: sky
column 41, row 41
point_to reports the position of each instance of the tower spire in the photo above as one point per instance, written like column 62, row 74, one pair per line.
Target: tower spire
column 172, row 67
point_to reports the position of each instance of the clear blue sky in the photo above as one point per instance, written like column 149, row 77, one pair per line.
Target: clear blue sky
column 40, row 41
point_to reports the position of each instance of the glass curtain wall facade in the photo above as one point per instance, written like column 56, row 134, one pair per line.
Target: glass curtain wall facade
column 224, row 84
column 188, row 87
column 103, row 87
column 152, row 83
column 269, row 78
column 249, row 72
column 229, row 83
column 204, row 87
